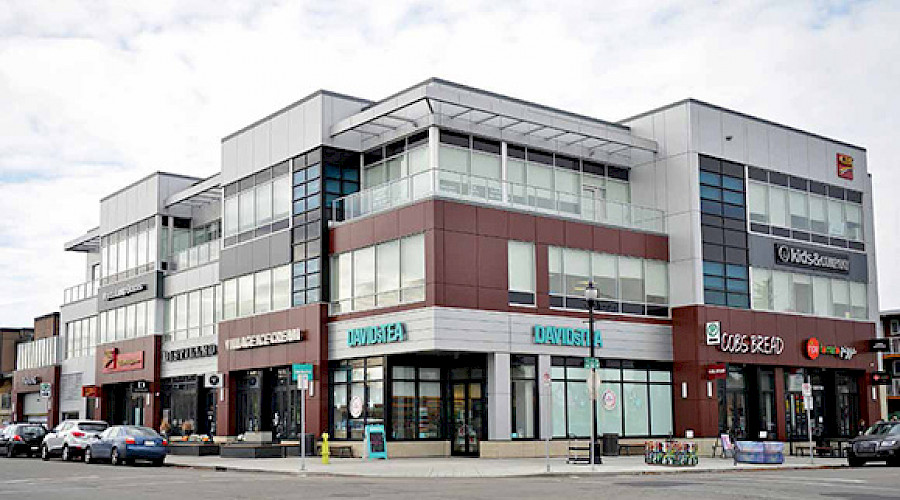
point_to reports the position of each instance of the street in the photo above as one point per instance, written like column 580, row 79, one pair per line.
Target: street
column 23, row 479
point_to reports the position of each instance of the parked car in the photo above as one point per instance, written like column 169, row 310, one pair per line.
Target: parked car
column 123, row 444
column 880, row 443
column 22, row 438
column 70, row 438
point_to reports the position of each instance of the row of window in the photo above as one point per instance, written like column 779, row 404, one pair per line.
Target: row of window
column 381, row 275
column 361, row 379
column 804, row 211
column 81, row 337
column 128, row 322
column 193, row 314
column 129, row 251
column 37, row 353
column 257, row 293
column 261, row 204
column 801, row 293
column 402, row 158
column 726, row 284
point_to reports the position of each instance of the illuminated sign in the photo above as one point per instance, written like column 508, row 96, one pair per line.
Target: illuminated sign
column 791, row 255
column 90, row 391
column 379, row 334
column 739, row 343
column 565, row 336
column 715, row 371
column 114, row 361
column 264, row 339
column 125, row 291
column 814, row 348
column 200, row 351
column 845, row 166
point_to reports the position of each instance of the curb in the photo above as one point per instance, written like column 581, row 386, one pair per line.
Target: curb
column 575, row 474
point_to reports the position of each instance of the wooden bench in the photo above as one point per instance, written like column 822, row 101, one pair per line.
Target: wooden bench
column 631, row 449
column 341, row 451
column 579, row 455
column 825, row 451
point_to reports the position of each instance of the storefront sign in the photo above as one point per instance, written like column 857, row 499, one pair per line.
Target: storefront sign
column 715, row 371
column 200, row 351
column 90, row 391
column 845, row 166
column 380, row 334
column 140, row 387
column 299, row 369
column 45, row 389
column 565, row 336
column 264, row 339
column 790, row 255
column 125, row 291
column 375, row 445
column 31, row 380
column 881, row 378
column 739, row 343
column 879, row 345
column 114, row 361
column 713, row 333
column 610, row 400
column 356, row 407
column 814, row 348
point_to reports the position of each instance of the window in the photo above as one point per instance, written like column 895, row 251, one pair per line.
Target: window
column 521, row 272
column 132, row 321
column 523, row 375
column 759, row 203
column 723, row 230
column 415, row 403
column 128, row 252
column 258, row 204
column 372, row 277
column 807, row 294
column 406, row 157
column 81, row 337
column 362, row 379
column 267, row 290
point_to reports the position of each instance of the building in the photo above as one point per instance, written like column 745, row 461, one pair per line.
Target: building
column 427, row 254
column 35, row 381
column 9, row 339
column 890, row 323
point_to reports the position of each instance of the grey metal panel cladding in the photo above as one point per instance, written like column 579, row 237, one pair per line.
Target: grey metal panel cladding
column 271, row 251
column 152, row 281
column 762, row 254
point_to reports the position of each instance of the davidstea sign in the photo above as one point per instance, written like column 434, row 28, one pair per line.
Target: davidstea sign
column 565, row 336
column 379, row 334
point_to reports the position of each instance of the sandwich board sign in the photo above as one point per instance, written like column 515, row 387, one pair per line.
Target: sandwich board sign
column 375, row 445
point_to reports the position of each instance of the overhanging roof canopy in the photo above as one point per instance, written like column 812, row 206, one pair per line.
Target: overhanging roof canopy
column 87, row 242
column 207, row 191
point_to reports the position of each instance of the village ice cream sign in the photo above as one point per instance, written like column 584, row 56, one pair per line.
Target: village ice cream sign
column 740, row 343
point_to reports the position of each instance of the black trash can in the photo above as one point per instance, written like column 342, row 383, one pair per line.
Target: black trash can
column 610, row 444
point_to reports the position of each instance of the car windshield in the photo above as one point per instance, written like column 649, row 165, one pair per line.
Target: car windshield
column 142, row 432
column 884, row 428
column 31, row 430
column 92, row 426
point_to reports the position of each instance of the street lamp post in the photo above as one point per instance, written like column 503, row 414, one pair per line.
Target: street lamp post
column 590, row 294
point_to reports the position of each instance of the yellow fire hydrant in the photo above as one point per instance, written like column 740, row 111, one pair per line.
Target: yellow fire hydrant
column 325, row 452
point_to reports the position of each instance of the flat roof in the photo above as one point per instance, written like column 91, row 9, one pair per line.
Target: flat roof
column 745, row 115
column 142, row 179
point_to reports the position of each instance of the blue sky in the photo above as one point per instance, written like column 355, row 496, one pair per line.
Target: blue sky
column 97, row 94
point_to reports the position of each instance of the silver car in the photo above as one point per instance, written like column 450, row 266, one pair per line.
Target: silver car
column 70, row 438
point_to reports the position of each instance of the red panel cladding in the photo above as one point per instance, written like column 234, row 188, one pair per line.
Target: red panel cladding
column 385, row 226
column 579, row 236
column 460, row 259
column 492, row 222
column 657, row 247
column 460, row 218
column 606, row 240
column 550, row 231
column 632, row 244
column 362, row 233
column 521, row 227
column 461, row 296
column 411, row 220
column 492, row 254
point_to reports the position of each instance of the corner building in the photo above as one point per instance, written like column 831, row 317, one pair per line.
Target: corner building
column 428, row 253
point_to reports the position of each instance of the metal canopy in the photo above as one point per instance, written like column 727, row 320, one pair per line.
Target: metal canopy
column 202, row 193
column 88, row 242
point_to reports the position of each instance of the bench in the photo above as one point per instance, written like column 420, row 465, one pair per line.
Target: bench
column 579, row 455
column 825, row 451
column 341, row 451
column 631, row 449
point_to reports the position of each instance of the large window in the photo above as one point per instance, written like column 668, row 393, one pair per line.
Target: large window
column 37, row 353
column 257, row 293
column 402, row 158
column 625, row 284
column 523, row 377
column 415, row 403
column 381, row 275
column 807, row 294
column 521, row 272
column 193, row 314
column 634, row 399
column 129, row 251
column 258, row 204
column 356, row 383
column 131, row 321
column 81, row 337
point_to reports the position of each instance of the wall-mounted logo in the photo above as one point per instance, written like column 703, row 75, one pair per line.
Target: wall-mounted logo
column 264, row 339
column 379, row 334
column 713, row 333
column 31, row 380
column 114, row 361
column 790, row 255
column 739, row 343
column 212, row 381
column 124, row 291
column 716, row 371
column 845, row 166
column 90, row 391
column 814, row 349
column 140, row 387
column 200, row 351
column 565, row 336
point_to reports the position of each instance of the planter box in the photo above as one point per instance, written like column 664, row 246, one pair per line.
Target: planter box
column 194, row 449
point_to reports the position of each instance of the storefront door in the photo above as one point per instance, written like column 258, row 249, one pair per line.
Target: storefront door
column 285, row 406
column 467, row 417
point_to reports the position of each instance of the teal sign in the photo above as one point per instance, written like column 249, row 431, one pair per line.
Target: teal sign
column 557, row 335
column 375, row 442
column 299, row 368
column 371, row 335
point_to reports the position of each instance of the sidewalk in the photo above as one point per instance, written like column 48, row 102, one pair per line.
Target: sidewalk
column 475, row 467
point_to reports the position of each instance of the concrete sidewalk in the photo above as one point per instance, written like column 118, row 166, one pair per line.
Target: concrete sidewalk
column 476, row 467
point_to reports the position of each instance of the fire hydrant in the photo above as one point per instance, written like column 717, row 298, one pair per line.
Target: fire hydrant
column 325, row 452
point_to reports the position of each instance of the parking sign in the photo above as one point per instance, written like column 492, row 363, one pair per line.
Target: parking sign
column 713, row 333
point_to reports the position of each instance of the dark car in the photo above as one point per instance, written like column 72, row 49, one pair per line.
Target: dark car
column 123, row 444
column 880, row 443
column 22, row 438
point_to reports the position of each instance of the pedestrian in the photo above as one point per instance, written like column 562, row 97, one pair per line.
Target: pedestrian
column 862, row 425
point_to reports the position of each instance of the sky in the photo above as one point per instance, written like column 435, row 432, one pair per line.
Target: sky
column 97, row 94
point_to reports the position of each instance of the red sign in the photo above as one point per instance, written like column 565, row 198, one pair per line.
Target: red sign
column 845, row 166
column 715, row 371
column 812, row 348
column 90, row 391
column 113, row 361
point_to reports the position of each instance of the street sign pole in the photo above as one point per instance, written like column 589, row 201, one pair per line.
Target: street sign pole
column 807, row 402
column 303, row 382
column 548, row 385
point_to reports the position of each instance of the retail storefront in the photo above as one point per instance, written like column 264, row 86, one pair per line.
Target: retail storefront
column 260, row 400
column 188, row 388
column 447, row 381
column 128, row 377
column 741, row 372
column 35, row 395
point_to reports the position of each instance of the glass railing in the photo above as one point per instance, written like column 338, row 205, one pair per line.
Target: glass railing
column 80, row 292
column 196, row 255
column 37, row 353
column 495, row 192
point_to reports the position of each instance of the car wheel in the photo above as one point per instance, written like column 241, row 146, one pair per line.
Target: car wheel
column 893, row 461
column 159, row 462
column 855, row 462
column 114, row 457
column 10, row 452
column 45, row 453
column 66, row 456
column 88, row 459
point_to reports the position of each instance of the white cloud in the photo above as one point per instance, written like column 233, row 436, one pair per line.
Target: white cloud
column 98, row 94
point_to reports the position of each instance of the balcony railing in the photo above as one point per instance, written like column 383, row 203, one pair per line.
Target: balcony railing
column 432, row 183
column 37, row 353
column 895, row 345
column 80, row 292
column 196, row 255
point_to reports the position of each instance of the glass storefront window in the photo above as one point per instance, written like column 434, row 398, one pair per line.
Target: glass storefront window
column 523, row 373
column 352, row 379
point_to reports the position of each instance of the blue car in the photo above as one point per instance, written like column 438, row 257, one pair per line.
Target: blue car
column 123, row 444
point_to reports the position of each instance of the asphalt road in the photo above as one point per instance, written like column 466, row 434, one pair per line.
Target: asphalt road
column 23, row 479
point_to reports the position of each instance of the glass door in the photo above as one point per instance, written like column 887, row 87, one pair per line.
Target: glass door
column 467, row 418
column 285, row 406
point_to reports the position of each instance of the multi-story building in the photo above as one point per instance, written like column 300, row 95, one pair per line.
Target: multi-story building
column 428, row 254
column 890, row 322
column 35, row 381
column 10, row 338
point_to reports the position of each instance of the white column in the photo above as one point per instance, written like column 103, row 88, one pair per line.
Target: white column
column 499, row 398
column 545, row 397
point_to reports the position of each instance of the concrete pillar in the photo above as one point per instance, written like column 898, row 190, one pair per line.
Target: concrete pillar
column 545, row 397
column 499, row 398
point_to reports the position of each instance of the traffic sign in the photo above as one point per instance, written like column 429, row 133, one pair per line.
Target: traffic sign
column 303, row 382
column 298, row 368
column 592, row 362
column 45, row 390
column 807, row 390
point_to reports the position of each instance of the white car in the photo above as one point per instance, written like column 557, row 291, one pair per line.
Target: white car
column 70, row 438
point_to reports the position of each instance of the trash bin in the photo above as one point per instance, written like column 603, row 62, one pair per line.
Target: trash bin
column 310, row 444
column 598, row 452
column 610, row 444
